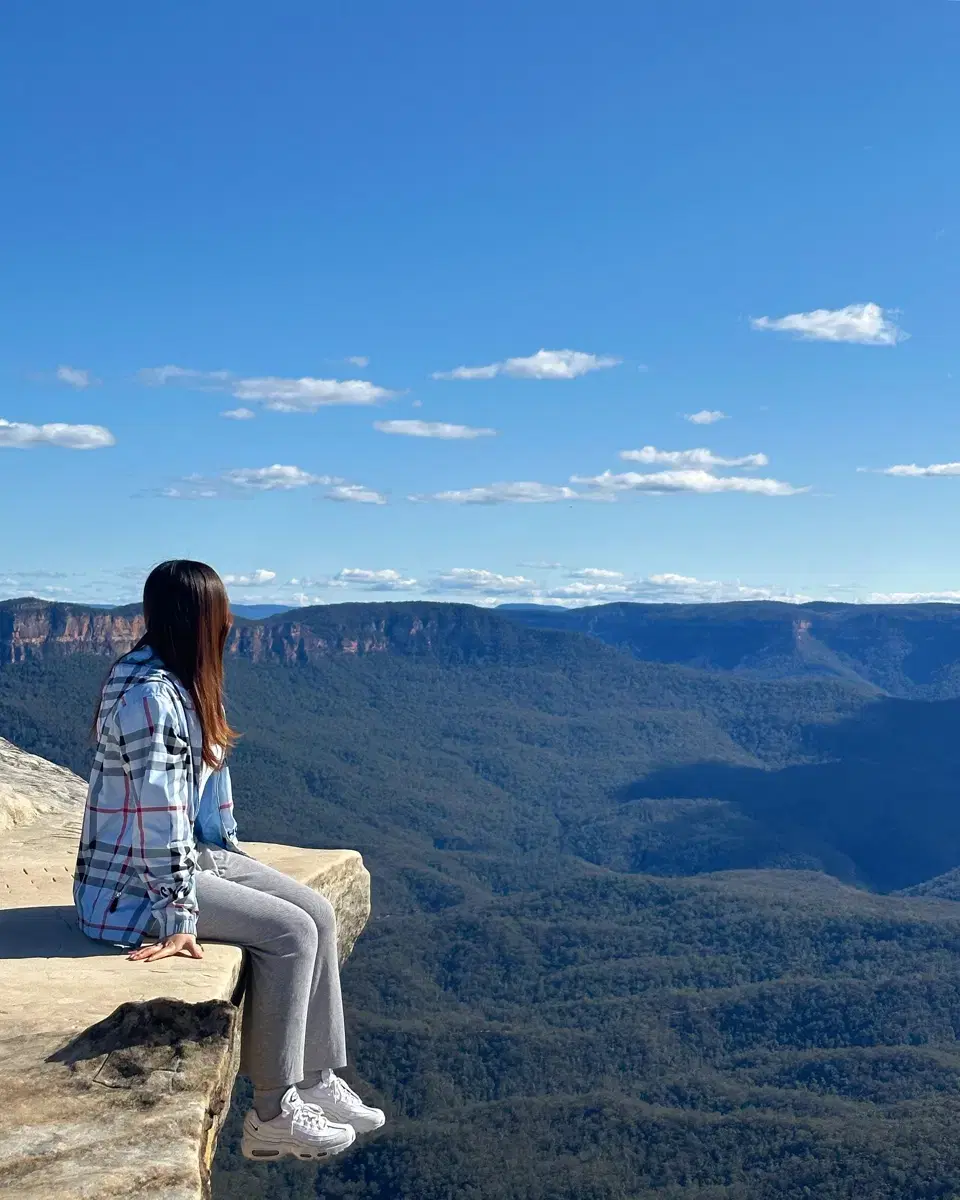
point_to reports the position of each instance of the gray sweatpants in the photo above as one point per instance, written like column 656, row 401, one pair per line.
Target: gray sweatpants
column 293, row 1013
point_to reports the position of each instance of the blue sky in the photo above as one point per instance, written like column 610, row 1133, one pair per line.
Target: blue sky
column 617, row 216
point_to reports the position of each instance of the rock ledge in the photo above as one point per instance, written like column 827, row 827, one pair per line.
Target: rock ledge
column 115, row 1076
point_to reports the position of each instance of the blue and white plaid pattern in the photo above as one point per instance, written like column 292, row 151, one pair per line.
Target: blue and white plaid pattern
column 137, row 861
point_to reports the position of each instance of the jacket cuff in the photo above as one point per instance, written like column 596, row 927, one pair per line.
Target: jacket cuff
column 177, row 921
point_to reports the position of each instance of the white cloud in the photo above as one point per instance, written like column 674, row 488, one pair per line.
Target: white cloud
column 583, row 591
column 505, row 493
column 18, row 436
column 307, row 394
column 255, row 579
column 702, row 482
column 469, row 579
column 188, row 489
column 691, row 458
column 275, row 478
column 488, row 372
column 158, row 376
column 489, row 587
column 432, row 429
column 706, row 416
column 866, row 324
column 356, row 493
column 75, row 376
column 913, row 598
column 557, row 364
column 358, row 360
column 42, row 574
column 911, row 470
column 545, row 364
column 239, row 414
column 273, row 391
column 684, row 588
column 597, row 573
column 373, row 581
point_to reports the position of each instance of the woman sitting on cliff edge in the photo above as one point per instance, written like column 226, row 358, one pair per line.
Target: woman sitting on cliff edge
column 159, row 859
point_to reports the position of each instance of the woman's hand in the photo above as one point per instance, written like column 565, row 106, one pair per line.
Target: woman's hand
column 183, row 944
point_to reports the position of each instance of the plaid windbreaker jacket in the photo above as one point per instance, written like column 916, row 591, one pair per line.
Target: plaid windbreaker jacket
column 144, row 818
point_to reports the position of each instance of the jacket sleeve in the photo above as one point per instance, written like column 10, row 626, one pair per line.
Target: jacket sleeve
column 156, row 756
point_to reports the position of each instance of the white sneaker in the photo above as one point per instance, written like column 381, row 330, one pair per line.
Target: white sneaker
column 301, row 1130
column 341, row 1103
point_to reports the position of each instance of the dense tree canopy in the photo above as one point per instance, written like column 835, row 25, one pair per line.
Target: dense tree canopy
column 588, row 976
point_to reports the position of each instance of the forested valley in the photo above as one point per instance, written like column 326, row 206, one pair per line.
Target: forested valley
column 632, row 933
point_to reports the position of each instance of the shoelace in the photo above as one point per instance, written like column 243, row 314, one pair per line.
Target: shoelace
column 308, row 1115
column 343, row 1091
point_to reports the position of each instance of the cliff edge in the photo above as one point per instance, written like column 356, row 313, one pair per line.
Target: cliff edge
column 116, row 1076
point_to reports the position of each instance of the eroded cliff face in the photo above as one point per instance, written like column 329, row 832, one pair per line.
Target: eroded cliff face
column 33, row 629
column 303, row 641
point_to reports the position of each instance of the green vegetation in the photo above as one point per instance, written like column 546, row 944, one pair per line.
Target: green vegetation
column 908, row 650
column 547, row 1011
column 747, row 1035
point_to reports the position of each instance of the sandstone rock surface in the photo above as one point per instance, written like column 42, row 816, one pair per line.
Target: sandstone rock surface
column 115, row 1075
column 31, row 788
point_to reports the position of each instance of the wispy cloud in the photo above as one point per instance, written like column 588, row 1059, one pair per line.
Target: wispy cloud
column 504, row 493
column 601, row 587
column 307, row 394
column 706, row 416
column 275, row 478
column 691, row 458
column 239, row 414
column 257, row 578
column 914, row 597
column 76, row 377
column 701, row 482
column 545, row 364
column 865, row 324
column 584, row 592
column 432, row 429
column 912, row 470
column 273, row 391
column 665, row 588
column 469, row 579
column 682, row 588
column 387, row 580
column 358, row 360
column 488, row 372
column 587, row 586
column 595, row 573
column 192, row 487
column 158, row 376
column 355, row 493
column 18, row 436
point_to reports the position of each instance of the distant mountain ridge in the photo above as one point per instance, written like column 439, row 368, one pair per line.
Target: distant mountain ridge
column 33, row 629
column 908, row 651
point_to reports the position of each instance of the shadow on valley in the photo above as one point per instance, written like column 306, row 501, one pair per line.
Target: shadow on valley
column 878, row 805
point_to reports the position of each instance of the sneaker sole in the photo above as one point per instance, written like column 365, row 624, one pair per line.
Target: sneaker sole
column 259, row 1151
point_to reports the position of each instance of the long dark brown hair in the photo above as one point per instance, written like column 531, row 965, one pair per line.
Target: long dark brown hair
column 187, row 616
